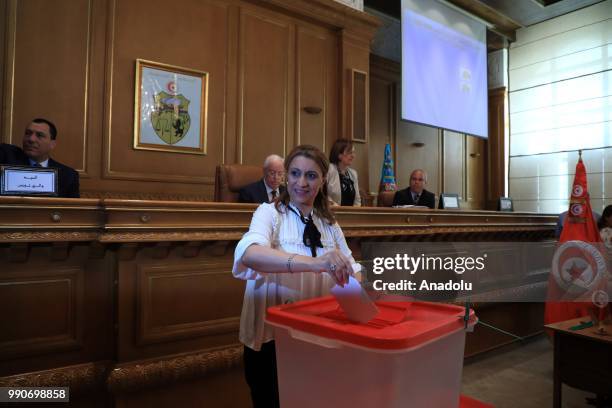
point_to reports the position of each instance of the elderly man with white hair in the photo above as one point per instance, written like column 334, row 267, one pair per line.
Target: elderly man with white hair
column 415, row 194
column 269, row 187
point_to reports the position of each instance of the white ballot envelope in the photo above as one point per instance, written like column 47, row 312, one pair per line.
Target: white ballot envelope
column 355, row 302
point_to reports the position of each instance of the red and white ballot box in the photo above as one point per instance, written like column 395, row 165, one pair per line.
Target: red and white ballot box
column 409, row 355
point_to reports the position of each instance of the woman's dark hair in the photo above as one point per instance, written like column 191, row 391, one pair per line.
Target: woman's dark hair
column 340, row 146
column 321, row 202
column 607, row 212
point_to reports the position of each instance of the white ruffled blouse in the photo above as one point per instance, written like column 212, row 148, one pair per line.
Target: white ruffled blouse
column 283, row 231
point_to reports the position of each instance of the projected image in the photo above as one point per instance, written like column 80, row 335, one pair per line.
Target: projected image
column 444, row 68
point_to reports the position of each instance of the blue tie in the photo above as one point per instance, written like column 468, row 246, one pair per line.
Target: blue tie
column 36, row 164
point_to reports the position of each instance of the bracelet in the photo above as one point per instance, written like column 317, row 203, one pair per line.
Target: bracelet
column 289, row 260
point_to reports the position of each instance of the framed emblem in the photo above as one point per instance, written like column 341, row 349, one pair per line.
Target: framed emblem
column 171, row 105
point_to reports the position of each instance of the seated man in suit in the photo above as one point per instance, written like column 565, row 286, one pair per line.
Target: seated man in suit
column 269, row 187
column 37, row 143
column 416, row 193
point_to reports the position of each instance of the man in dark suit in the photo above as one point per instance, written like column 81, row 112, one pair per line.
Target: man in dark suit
column 39, row 140
column 416, row 193
column 269, row 187
column 11, row 154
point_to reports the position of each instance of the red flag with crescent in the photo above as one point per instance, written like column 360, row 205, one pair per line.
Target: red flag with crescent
column 579, row 267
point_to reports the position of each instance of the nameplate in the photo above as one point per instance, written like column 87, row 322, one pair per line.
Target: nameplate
column 449, row 201
column 22, row 180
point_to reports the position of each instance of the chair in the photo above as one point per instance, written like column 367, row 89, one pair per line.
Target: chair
column 385, row 199
column 367, row 199
column 230, row 178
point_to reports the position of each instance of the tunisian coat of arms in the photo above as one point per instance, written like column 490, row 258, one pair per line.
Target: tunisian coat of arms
column 170, row 117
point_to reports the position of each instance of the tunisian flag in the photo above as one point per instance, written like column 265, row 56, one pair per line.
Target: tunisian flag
column 578, row 263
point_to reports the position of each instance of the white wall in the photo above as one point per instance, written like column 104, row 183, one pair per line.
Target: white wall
column 560, row 77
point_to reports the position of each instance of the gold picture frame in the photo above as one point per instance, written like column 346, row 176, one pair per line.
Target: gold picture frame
column 359, row 106
column 170, row 109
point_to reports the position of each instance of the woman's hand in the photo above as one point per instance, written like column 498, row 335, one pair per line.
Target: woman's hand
column 336, row 264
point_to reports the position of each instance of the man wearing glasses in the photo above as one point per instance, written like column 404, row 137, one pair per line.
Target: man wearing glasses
column 269, row 187
column 416, row 193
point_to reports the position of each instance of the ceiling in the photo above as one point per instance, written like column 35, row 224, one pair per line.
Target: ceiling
column 505, row 16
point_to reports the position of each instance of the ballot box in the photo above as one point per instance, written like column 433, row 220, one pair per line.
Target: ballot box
column 409, row 355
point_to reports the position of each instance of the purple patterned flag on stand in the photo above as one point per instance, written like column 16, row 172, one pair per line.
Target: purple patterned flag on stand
column 387, row 179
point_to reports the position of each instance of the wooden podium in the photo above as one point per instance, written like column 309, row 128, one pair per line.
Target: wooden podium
column 134, row 302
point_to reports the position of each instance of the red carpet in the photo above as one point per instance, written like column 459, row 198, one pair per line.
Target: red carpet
column 467, row 402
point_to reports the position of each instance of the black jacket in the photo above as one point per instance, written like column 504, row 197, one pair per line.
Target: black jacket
column 68, row 180
column 67, row 177
column 404, row 197
column 256, row 193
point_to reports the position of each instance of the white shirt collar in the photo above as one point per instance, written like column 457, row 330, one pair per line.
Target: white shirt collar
column 268, row 188
column 42, row 164
column 299, row 212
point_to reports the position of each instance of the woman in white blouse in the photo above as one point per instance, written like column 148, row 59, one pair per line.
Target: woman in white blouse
column 342, row 181
column 294, row 250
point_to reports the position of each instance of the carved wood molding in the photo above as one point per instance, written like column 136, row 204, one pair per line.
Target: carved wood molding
column 47, row 236
column 170, row 236
column 138, row 376
column 135, row 221
column 147, row 196
column 80, row 378
column 434, row 230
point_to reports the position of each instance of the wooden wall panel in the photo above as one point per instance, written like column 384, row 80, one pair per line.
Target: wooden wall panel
column 476, row 176
column 496, row 148
column 312, row 81
column 265, row 60
column 165, row 296
column 43, row 311
column 57, row 303
column 166, row 301
column 354, row 55
column 199, row 42
column 453, row 163
column 382, row 94
column 51, row 72
column 4, row 45
column 265, row 77
column 333, row 90
column 411, row 155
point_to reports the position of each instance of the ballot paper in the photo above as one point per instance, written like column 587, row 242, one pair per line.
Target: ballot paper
column 355, row 302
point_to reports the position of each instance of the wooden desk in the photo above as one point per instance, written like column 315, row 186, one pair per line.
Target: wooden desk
column 116, row 298
column 583, row 359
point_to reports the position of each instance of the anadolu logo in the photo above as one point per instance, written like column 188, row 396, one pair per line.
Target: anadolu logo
column 578, row 268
